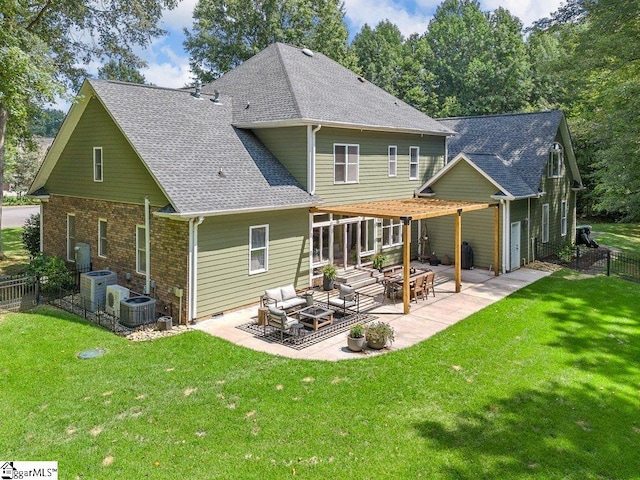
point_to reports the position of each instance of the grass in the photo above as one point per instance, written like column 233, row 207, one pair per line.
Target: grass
column 544, row 383
column 623, row 236
column 16, row 257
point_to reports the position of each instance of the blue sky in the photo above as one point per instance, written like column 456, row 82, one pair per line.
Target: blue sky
column 168, row 63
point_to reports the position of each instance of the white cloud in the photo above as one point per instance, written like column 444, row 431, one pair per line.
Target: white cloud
column 372, row 12
column 528, row 11
column 179, row 17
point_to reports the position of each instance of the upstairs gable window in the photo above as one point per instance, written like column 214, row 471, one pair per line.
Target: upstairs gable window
column 345, row 163
column 97, row 164
column 556, row 160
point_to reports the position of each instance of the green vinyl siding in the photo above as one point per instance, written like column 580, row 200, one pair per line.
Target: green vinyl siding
column 463, row 182
column 125, row 178
column 223, row 258
column 374, row 182
column 289, row 145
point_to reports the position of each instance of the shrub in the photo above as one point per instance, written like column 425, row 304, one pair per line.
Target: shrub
column 31, row 235
column 52, row 273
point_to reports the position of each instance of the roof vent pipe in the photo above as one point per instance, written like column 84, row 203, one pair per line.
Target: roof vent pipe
column 216, row 96
column 198, row 89
column 307, row 52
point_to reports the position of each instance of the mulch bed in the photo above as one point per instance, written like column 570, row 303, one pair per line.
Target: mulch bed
column 309, row 337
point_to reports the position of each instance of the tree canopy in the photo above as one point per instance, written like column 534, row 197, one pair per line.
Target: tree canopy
column 44, row 45
column 227, row 32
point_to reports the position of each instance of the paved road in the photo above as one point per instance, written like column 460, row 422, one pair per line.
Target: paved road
column 16, row 216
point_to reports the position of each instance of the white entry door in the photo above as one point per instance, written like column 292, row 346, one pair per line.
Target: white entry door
column 515, row 245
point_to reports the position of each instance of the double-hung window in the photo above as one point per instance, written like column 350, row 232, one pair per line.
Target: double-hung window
column 391, row 233
column 563, row 218
column 345, row 163
column 258, row 249
column 414, row 162
column 393, row 160
column 556, row 159
column 71, row 237
column 102, row 237
column 545, row 223
column 97, row 164
column 141, row 249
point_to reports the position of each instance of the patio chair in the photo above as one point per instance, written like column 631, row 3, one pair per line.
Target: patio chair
column 279, row 320
column 417, row 288
column 391, row 289
column 347, row 299
column 428, row 284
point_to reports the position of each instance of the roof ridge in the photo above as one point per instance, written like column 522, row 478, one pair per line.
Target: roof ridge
column 294, row 94
column 144, row 85
column 515, row 114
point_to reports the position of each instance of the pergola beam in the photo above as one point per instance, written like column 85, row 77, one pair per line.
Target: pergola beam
column 409, row 209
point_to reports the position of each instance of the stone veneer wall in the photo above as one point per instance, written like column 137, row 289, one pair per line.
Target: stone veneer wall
column 169, row 244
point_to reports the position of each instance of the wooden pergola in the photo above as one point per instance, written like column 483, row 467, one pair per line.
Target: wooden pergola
column 407, row 210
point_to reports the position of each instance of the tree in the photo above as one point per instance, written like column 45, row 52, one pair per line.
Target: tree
column 122, row 71
column 42, row 44
column 479, row 60
column 227, row 32
column 379, row 53
column 604, row 65
column 46, row 122
column 21, row 165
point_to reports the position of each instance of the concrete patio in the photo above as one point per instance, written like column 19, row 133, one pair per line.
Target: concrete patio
column 480, row 288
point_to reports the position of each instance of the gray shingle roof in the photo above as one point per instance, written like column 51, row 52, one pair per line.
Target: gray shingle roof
column 202, row 162
column 282, row 84
column 521, row 141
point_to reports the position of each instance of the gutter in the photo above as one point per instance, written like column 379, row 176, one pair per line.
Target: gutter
column 192, row 215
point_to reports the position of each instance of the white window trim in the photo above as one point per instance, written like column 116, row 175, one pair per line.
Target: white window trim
column 564, row 207
column 95, row 165
column 387, row 234
column 71, row 248
column 545, row 223
column 346, row 173
column 140, row 240
column 100, row 252
column 265, row 248
column 416, row 163
column 393, row 161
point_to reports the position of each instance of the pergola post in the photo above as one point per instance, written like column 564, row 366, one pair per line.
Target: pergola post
column 406, row 260
column 496, row 239
column 458, row 246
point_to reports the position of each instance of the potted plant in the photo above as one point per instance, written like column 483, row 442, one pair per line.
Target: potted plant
column 378, row 334
column 378, row 261
column 329, row 274
column 356, row 339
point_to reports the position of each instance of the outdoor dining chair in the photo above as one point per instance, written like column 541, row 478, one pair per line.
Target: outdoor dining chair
column 428, row 284
column 417, row 288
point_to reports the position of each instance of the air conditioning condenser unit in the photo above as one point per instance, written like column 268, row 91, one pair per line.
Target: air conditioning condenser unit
column 115, row 293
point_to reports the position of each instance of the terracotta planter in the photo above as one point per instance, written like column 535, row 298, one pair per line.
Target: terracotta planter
column 355, row 344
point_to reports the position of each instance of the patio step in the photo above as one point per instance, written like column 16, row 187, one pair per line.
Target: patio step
column 358, row 278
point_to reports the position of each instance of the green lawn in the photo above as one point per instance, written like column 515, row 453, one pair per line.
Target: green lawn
column 543, row 384
column 16, row 257
column 624, row 236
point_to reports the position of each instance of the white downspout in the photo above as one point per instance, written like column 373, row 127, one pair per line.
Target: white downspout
column 529, row 229
column 147, row 246
column 506, row 232
column 189, row 271
column 194, row 269
column 41, row 227
column 311, row 158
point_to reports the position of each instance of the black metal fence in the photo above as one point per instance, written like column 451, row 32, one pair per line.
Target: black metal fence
column 596, row 261
column 22, row 293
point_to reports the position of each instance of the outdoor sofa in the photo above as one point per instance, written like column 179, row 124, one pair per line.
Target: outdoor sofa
column 283, row 298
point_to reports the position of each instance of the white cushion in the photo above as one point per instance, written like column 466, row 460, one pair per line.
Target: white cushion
column 274, row 294
column 288, row 292
column 276, row 311
column 347, row 292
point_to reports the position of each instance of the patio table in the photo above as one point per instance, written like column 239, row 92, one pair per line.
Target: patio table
column 316, row 317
